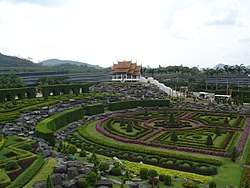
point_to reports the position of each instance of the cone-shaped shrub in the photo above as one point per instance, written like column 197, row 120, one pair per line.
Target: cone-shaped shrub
column 209, row 140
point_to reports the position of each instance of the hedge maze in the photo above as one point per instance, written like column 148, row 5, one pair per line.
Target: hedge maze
column 15, row 156
column 177, row 130
column 208, row 133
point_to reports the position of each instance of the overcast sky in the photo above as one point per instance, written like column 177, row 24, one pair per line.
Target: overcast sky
column 152, row 32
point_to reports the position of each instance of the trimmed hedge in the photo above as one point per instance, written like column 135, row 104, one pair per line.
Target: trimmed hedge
column 10, row 94
column 4, row 179
column 2, row 141
column 43, row 173
column 93, row 109
column 65, row 89
column 122, row 105
column 27, row 175
column 46, row 128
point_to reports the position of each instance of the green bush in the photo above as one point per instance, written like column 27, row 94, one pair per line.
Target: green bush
column 217, row 131
column 116, row 171
column 212, row 184
column 82, row 183
column 144, row 173
column 27, row 146
column 11, row 165
column 174, row 136
column 91, row 178
column 122, row 105
column 226, row 121
column 103, row 166
column 83, row 153
column 152, row 173
column 167, row 180
column 72, row 149
column 162, row 177
column 129, row 128
column 209, row 140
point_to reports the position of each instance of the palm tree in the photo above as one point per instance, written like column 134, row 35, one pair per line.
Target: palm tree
column 218, row 71
column 239, row 68
column 226, row 69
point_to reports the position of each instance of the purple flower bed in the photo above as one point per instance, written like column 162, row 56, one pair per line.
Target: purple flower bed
column 243, row 138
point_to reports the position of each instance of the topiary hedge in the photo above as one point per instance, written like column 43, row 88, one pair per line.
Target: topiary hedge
column 93, row 109
column 122, row 105
column 21, row 93
column 46, row 128
column 65, row 89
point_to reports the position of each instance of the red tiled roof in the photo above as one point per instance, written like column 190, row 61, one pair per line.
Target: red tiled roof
column 126, row 67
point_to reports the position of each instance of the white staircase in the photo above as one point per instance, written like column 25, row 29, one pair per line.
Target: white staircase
column 161, row 86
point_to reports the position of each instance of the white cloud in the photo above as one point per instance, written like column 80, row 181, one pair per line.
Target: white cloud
column 100, row 32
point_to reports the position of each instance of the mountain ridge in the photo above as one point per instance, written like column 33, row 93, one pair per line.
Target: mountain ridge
column 56, row 62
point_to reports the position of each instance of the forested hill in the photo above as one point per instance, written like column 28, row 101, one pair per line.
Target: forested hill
column 12, row 61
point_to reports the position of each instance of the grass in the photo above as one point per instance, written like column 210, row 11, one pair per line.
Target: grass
column 43, row 173
column 228, row 174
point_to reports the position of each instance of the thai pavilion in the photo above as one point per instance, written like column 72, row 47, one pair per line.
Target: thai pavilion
column 126, row 71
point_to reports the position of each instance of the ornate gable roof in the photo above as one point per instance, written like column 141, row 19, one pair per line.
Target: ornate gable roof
column 126, row 67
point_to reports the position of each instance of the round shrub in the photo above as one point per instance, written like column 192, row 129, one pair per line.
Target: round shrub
column 162, row 160
column 153, row 161
column 212, row 184
column 116, row 171
column 144, row 173
column 11, row 165
column 78, row 144
column 167, row 180
column 162, row 177
column 103, row 166
column 185, row 167
column 82, row 183
column 152, row 173
column 83, row 153
column 189, row 184
column 27, row 146
column 91, row 178
column 72, row 149
column 125, row 155
column 170, row 163
column 98, row 177
column 153, row 181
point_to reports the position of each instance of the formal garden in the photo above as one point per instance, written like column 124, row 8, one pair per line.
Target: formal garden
column 93, row 139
